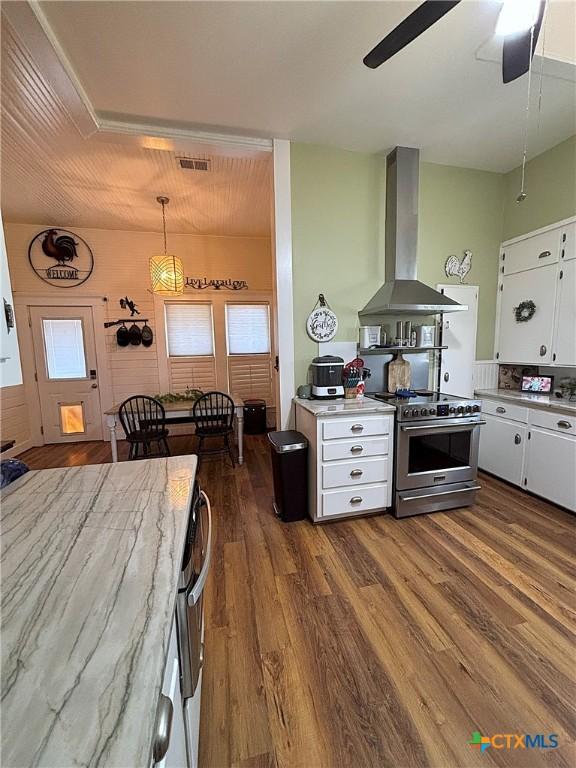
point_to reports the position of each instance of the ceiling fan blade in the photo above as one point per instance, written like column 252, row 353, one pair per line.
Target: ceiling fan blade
column 413, row 25
column 517, row 52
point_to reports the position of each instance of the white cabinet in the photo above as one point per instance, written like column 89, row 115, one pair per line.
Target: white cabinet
column 529, row 341
column 350, row 462
column 176, row 754
column 502, row 444
column 550, row 466
column 532, row 252
column 541, row 268
column 564, row 352
column 530, row 447
column 10, row 371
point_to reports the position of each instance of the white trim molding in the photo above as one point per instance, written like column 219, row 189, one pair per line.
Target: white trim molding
column 284, row 293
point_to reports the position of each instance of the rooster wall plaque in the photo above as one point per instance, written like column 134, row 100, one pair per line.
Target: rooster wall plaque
column 61, row 258
column 455, row 268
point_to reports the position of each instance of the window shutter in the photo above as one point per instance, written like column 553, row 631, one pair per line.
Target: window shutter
column 189, row 329
column 248, row 329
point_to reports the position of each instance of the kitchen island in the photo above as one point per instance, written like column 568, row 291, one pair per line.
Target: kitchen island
column 90, row 562
column 350, row 456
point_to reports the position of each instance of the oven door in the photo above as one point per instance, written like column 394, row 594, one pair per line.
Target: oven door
column 436, row 452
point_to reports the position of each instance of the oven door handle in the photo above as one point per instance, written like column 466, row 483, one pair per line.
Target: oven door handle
column 451, row 425
column 196, row 591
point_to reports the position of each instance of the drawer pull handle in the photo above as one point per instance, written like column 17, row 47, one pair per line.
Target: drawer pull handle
column 544, row 254
column 564, row 424
column 357, row 427
column 543, row 350
column 356, row 449
column 356, row 473
column 517, row 439
column 356, row 500
column 500, row 409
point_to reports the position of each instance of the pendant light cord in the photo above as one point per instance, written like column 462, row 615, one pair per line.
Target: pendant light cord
column 164, row 224
column 522, row 194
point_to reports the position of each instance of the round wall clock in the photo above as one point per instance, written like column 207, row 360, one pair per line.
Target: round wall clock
column 322, row 323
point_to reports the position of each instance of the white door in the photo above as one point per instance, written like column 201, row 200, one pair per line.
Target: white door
column 565, row 337
column 529, row 341
column 502, row 445
column 459, row 335
column 65, row 356
column 550, row 467
column 176, row 755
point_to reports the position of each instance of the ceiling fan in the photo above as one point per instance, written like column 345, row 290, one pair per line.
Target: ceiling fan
column 519, row 24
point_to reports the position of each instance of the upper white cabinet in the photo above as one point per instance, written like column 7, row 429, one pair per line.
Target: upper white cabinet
column 529, row 341
column 532, row 252
column 539, row 268
column 10, row 371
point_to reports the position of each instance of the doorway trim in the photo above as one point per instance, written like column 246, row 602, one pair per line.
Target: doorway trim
column 22, row 302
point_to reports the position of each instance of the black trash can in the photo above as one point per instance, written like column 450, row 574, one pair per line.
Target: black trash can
column 290, row 472
column 254, row 417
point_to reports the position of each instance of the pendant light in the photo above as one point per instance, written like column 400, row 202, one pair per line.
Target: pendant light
column 166, row 270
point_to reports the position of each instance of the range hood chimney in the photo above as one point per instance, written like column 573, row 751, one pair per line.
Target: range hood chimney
column 402, row 293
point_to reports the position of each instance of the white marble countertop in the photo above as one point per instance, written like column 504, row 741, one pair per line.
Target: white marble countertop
column 341, row 406
column 90, row 563
column 530, row 400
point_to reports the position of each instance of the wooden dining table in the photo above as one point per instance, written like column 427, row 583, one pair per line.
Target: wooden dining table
column 180, row 412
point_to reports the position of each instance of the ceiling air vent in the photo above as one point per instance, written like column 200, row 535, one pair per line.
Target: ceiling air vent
column 194, row 164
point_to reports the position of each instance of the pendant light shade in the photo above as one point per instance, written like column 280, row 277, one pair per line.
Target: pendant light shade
column 166, row 270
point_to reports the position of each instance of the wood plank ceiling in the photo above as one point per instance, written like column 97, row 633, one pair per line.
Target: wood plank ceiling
column 50, row 174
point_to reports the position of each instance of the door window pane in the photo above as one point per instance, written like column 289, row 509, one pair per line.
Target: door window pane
column 72, row 418
column 248, row 329
column 189, row 329
column 64, row 344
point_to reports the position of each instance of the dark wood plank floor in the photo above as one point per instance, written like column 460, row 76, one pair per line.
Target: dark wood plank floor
column 378, row 642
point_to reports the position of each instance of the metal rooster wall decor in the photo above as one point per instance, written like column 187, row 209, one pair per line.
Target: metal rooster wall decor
column 61, row 258
column 455, row 268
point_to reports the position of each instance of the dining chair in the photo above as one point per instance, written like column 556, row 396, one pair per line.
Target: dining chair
column 143, row 420
column 214, row 416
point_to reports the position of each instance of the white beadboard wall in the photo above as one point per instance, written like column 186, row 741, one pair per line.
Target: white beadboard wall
column 121, row 269
column 485, row 374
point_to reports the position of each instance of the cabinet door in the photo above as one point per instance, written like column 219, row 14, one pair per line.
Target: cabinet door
column 565, row 335
column 502, row 448
column 532, row 252
column 176, row 756
column 550, row 462
column 529, row 341
column 568, row 246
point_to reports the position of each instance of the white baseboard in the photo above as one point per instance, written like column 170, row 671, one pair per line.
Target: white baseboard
column 18, row 448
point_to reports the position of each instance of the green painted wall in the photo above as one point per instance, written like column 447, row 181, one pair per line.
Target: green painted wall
column 462, row 208
column 335, row 197
column 551, row 188
column 335, row 228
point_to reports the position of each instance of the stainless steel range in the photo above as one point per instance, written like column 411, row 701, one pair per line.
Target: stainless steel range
column 436, row 452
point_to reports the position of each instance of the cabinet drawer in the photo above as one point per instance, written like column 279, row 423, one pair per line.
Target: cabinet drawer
column 568, row 251
column 357, row 472
column 505, row 409
column 355, row 449
column 559, row 422
column 350, row 500
column 536, row 251
column 360, row 427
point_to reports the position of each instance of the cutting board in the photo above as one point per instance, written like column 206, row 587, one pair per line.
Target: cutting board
column 398, row 374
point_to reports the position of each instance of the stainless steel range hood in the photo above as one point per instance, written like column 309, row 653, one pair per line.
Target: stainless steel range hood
column 402, row 293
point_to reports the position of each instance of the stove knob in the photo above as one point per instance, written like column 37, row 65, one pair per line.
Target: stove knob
column 415, row 412
column 423, row 412
column 460, row 409
column 406, row 412
column 452, row 409
column 468, row 409
column 432, row 411
column 475, row 408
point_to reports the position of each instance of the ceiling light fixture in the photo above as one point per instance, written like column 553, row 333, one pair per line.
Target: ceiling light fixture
column 166, row 270
column 517, row 16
